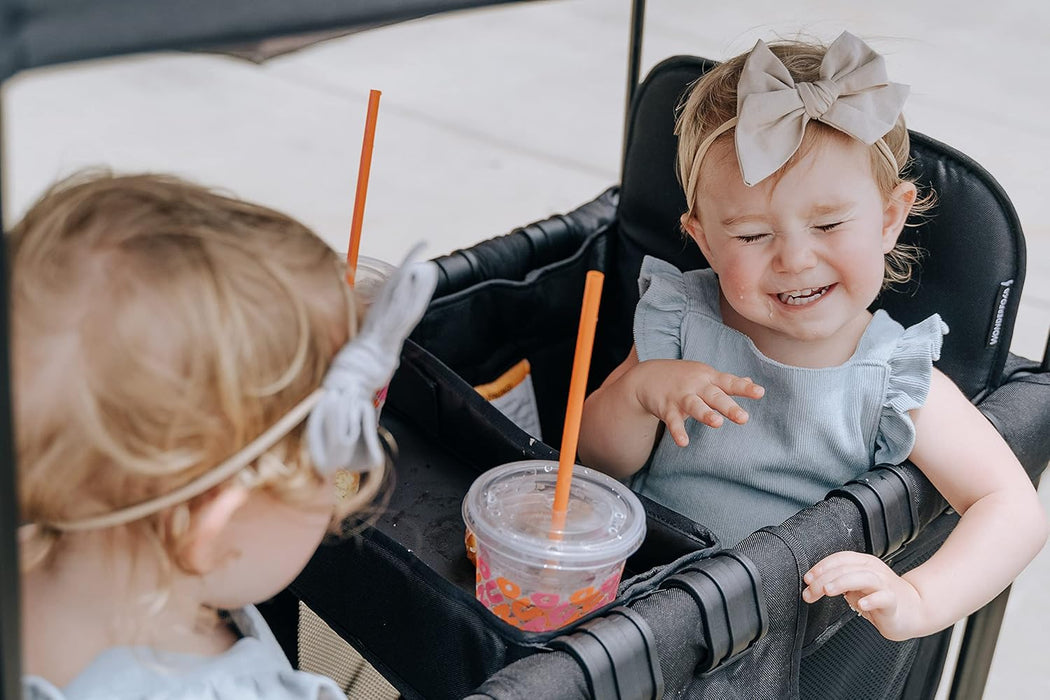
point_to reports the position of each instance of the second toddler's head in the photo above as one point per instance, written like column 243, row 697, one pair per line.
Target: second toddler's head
column 159, row 328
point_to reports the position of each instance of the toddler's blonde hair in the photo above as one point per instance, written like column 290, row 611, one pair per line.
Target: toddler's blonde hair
column 158, row 327
column 712, row 101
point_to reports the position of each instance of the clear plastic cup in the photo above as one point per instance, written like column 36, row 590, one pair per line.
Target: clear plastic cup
column 538, row 580
column 369, row 277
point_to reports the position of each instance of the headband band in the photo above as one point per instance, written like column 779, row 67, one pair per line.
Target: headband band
column 248, row 454
column 342, row 429
column 701, row 151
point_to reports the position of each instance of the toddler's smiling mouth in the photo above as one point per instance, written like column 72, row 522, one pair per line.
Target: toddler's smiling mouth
column 801, row 297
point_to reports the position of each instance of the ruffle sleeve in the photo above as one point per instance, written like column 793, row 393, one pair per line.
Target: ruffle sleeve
column 661, row 308
column 908, row 385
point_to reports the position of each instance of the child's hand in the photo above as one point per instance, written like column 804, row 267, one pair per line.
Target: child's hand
column 673, row 390
column 871, row 588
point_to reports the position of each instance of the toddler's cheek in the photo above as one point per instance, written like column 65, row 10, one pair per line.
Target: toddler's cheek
column 735, row 296
column 732, row 280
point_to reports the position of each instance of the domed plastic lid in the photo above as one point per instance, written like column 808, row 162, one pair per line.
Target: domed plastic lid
column 509, row 509
column 369, row 276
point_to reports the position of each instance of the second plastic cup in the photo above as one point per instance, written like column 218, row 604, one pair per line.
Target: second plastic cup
column 369, row 277
column 538, row 580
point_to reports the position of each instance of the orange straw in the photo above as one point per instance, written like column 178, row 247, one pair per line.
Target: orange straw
column 592, row 293
column 362, row 185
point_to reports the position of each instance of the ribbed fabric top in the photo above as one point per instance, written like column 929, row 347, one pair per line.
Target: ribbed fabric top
column 254, row 668
column 813, row 430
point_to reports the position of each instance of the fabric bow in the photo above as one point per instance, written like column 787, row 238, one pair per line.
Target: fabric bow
column 853, row 95
column 341, row 431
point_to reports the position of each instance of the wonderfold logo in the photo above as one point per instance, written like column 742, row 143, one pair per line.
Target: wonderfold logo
column 1001, row 299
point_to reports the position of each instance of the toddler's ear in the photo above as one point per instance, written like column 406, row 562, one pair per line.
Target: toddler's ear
column 204, row 547
column 894, row 216
column 691, row 225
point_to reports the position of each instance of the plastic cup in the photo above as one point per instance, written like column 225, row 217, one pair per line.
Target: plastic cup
column 369, row 277
column 540, row 580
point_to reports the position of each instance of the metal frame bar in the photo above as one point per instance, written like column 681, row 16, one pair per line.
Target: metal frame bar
column 634, row 64
column 983, row 628
column 977, row 649
column 10, row 617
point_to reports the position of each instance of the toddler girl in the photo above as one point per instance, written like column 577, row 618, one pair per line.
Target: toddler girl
column 188, row 378
column 791, row 159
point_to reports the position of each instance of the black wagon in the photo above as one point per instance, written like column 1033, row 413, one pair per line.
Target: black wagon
column 692, row 619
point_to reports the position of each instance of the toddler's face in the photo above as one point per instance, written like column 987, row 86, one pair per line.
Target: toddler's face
column 269, row 542
column 799, row 258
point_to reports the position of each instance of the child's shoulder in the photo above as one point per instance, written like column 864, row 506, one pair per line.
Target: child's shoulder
column 908, row 354
column 891, row 341
column 668, row 298
column 693, row 289
column 255, row 668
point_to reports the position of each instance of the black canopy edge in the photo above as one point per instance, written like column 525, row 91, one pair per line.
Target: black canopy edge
column 36, row 33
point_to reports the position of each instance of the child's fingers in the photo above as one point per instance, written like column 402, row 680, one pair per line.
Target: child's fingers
column 718, row 400
column 838, row 560
column 739, row 386
column 811, row 594
column 829, row 572
column 879, row 601
column 693, row 405
column 833, row 574
column 676, row 428
column 830, row 585
column 862, row 581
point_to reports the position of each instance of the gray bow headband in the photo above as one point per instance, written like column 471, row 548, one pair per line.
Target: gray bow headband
column 852, row 95
column 342, row 428
column 341, row 431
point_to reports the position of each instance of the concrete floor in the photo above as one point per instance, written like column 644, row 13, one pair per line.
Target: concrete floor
column 493, row 118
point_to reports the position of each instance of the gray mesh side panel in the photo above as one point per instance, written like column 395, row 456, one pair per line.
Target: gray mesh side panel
column 323, row 651
column 857, row 663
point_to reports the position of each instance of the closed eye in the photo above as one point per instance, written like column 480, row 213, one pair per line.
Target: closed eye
column 751, row 238
column 829, row 227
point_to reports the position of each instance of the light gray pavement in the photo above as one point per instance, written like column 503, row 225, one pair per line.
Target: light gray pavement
column 494, row 118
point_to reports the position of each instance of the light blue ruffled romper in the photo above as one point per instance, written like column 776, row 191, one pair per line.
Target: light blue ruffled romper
column 254, row 668
column 814, row 429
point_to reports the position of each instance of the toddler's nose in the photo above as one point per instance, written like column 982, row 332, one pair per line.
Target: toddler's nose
column 794, row 253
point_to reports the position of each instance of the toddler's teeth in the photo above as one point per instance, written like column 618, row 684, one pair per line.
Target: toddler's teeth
column 800, row 297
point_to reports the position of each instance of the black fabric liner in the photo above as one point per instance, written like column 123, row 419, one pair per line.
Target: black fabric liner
column 418, row 576
column 535, row 319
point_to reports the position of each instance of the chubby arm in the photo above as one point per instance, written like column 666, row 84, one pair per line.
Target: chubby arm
column 1002, row 527
column 621, row 419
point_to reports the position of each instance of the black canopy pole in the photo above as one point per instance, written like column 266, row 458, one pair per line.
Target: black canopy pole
column 10, row 617
column 634, row 63
column 977, row 649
